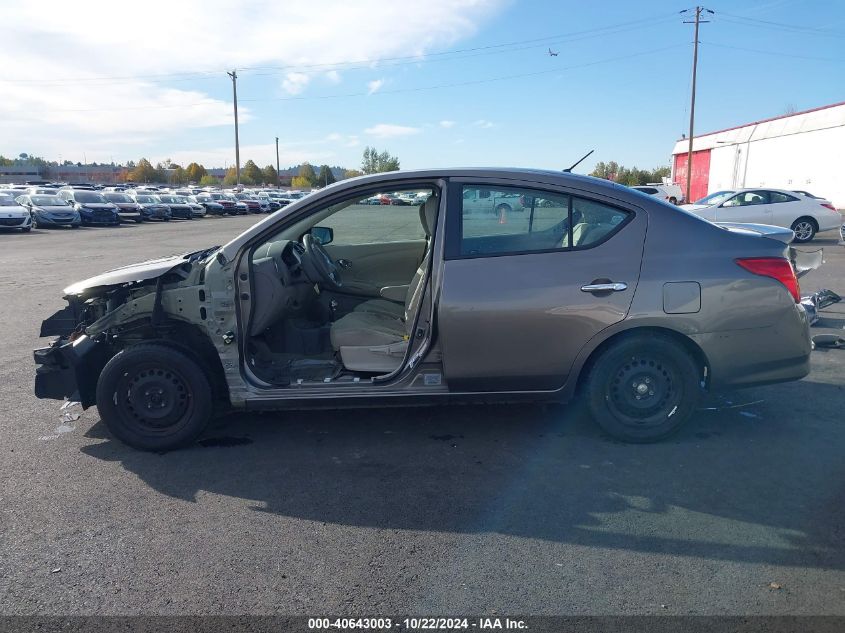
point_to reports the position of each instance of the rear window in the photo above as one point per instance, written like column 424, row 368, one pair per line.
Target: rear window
column 649, row 190
column 88, row 196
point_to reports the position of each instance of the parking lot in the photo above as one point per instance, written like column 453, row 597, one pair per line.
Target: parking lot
column 432, row 511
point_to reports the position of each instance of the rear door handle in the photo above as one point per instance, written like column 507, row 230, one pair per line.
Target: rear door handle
column 618, row 286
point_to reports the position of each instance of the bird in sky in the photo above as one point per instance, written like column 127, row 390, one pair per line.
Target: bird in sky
column 553, row 53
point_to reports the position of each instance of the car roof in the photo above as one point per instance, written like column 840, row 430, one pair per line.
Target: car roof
column 786, row 191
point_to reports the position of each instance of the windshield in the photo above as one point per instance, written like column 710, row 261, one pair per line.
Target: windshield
column 89, row 196
column 172, row 199
column 5, row 201
column 118, row 197
column 48, row 201
column 715, row 198
column 146, row 199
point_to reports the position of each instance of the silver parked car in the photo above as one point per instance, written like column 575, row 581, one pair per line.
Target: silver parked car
column 591, row 288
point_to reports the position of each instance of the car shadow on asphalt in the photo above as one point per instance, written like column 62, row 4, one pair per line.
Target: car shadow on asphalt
column 754, row 477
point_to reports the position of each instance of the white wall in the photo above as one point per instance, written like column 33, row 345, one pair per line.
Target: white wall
column 813, row 161
column 805, row 150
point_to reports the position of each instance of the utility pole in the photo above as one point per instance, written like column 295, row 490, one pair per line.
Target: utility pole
column 234, row 76
column 697, row 21
column 277, row 162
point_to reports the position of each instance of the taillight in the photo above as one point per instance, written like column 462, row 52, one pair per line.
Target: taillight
column 777, row 268
column 827, row 205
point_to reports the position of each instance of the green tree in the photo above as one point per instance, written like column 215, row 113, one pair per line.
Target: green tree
column 375, row 162
column 307, row 174
column 195, row 172
column 300, row 182
column 207, row 181
column 230, row 178
column 326, row 177
column 352, row 173
column 270, row 175
column 178, row 176
column 251, row 174
column 144, row 172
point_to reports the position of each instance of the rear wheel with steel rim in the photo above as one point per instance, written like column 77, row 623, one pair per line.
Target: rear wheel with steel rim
column 643, row 387
column 805, row 229
column 154, row 397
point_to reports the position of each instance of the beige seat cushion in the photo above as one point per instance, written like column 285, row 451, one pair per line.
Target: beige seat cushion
column 382, row 306
column 366, row 329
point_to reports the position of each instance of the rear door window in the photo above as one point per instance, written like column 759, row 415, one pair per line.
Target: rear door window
column 777, row 196
column 513, row 221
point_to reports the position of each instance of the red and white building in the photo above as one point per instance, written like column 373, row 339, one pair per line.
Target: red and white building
column 804, row 151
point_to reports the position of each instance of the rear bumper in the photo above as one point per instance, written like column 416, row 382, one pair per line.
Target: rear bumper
column 759, row 356
column 830, row 222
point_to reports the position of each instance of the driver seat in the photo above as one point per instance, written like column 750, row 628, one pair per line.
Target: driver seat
column 374, row 337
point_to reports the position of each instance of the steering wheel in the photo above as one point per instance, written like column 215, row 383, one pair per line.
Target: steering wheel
column 321, row 262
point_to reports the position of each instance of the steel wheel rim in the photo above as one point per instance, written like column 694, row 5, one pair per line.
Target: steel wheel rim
column 153, row 398
column 643, row 390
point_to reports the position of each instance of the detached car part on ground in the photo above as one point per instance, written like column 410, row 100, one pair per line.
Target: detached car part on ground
column 633, row 303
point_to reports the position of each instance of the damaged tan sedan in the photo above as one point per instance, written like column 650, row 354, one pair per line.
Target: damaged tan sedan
column 582, row 287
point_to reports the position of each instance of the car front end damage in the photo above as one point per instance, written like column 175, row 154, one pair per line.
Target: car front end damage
column 164, row 300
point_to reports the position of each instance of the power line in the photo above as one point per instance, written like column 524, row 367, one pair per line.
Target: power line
column 473, row 82
column 386, row 92
column 777, row 53
column 780, row 26
column 367, row 63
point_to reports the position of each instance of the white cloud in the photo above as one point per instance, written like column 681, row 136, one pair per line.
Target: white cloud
column 101, row 84
column 484, row 124
column 388, row 130
column 374, row 85
column 447, row 124
column 294, row 83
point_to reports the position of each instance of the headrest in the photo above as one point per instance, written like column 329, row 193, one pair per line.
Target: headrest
column 428, row 214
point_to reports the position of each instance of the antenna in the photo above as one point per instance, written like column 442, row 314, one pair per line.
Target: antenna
column 568, row 170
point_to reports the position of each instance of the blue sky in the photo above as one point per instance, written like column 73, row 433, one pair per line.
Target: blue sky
column 619, row 84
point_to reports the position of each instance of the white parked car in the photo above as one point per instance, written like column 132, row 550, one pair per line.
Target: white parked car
column 13, row 215
column 778, row 207
column 669, row 193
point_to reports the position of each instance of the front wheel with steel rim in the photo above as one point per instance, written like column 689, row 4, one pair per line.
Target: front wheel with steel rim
column 642, row 388
column 154, row 397
column 805, row 229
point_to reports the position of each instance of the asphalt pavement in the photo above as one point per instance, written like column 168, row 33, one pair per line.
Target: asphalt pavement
column 427, row 511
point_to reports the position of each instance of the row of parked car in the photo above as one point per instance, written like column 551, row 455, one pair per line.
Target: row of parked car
column 74, row 206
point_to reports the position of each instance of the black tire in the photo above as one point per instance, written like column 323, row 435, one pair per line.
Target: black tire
column 154, row 397
column 805, row 229
column 26, row 229
column 166, row 219
column 673, row 200
column 643, row 388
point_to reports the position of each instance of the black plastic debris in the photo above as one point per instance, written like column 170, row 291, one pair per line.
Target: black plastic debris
column 819, row 301
column 829, row 341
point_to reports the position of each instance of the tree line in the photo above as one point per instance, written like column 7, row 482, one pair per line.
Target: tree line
column 631, row 177
column 307, row 177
